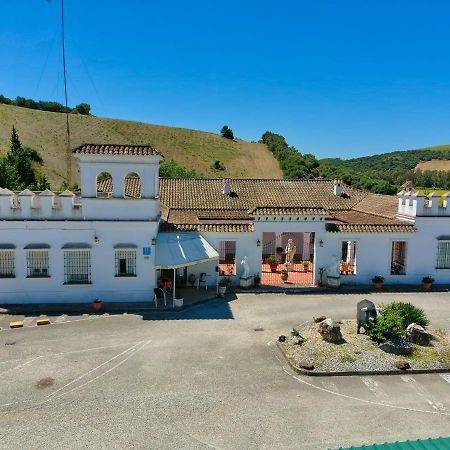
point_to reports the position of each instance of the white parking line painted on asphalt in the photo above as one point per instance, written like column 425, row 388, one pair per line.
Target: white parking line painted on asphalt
column 327, row 384
column 422, row 392
column 373, row 386
column 446, row 377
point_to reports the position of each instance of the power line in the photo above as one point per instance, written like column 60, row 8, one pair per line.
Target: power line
column 68, row 152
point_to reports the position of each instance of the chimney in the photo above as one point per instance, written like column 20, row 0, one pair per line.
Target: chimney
column 337, row 186
column 226, row 186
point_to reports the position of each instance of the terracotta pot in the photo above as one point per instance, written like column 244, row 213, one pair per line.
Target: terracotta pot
column 273, row 267
column 378, row 285
column 97, row 306
column 284, row 276
column 305, row 268
column 427, row 285
column 320, row 283
column 257, row 283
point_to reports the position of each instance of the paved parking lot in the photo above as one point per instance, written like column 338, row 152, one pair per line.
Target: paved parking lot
column 209, row 377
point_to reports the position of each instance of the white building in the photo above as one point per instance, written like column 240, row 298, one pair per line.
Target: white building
column 128, row 229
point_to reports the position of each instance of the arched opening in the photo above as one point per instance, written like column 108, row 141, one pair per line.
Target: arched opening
column 132, row 185
column 104, row 182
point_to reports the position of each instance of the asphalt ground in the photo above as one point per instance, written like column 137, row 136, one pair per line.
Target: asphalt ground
column 207, row 377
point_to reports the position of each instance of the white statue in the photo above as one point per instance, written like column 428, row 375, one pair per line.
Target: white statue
column 333, row 270
column 290, row 252
column 246, row 266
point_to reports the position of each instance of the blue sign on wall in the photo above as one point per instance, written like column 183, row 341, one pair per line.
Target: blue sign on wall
column 146, row 251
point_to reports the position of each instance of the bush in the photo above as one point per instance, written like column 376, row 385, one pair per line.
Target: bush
column 227, row 132
column 388, row 326
column 408, row 313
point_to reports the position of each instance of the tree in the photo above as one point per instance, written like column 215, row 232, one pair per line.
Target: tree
column 83, row 108
column 15, row 145
column 227, row 132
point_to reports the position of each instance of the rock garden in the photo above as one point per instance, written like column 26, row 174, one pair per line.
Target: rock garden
column 390, row 338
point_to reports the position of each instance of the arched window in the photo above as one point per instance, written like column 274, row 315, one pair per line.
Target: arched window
column 132, row 185
column 104, row 185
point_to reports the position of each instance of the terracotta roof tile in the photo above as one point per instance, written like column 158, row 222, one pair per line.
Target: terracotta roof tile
column 116, row 149
column 273, row 211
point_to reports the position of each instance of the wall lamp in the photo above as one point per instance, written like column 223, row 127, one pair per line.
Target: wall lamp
column 258, row 243
column 153, row 241
column 96, row 238
column 321, row 243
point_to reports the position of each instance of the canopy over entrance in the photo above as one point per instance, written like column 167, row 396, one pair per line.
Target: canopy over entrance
column 174, row 250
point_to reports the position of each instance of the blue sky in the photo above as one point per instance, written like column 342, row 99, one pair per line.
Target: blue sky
column 336, row 78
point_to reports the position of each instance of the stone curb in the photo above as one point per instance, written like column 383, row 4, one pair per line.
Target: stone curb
column 313, row 373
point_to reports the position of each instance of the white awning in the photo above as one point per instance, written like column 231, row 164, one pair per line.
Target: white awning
column 175, row 250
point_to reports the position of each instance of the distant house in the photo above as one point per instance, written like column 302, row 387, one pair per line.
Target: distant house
column 128, row 230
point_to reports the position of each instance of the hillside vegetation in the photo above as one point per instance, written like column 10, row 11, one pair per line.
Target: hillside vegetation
column 45, row 132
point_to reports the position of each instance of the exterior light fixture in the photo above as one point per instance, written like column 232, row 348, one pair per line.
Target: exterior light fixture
column 321, row 243
column 258, row 243
column 96, row 238
column 153, row 241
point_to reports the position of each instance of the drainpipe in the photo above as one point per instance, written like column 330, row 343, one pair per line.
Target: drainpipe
column 174, row 286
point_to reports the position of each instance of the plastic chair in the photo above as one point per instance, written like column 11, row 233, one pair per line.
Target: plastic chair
column 159, row 293
column 202, row 280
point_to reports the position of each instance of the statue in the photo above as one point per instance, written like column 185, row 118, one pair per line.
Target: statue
column 366, row 314
column 334, row 270
column 290, row 252
column 246, row 266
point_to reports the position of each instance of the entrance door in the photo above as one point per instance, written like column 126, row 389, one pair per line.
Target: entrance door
column 287, row 259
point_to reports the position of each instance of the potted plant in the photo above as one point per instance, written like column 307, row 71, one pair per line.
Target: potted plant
column 320, row 280
column 257, row 280
column 378, row 281
column 273, row 263
column 284, row 274
column 97, row 304
column 427, row 282
column 306, row 264
column 223, row 284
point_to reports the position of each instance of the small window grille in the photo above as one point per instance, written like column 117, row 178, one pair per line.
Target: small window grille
column 77, row 267
column 227, row 257
column 37, row 264
column 125, row 263
column 7, row 264
column 443, row 256
column 398, row 258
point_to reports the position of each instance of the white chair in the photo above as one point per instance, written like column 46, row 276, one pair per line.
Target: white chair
column 159, row 293
column 202, row 280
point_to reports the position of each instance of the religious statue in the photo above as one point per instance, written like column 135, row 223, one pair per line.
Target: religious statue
column 290, row 252
column 246, row 266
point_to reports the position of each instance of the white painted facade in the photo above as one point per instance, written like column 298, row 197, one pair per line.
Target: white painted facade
column 101, row 225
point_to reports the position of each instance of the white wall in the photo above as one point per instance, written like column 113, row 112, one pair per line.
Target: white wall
column 104, row 283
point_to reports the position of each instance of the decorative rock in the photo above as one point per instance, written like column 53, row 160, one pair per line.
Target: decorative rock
column 417, row 334
column 402, row 365
column 319, row 319
column 396, row 346
column 281, row 338
column 306, row 365
column 330, row 331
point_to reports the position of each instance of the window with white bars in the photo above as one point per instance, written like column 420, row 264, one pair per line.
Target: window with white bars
column 348, row 258
column 398, row 258
column 37, row 264
column 125, row 263
column 77, row 267
column 7, row 264
column 443, row 255
column 227, row 257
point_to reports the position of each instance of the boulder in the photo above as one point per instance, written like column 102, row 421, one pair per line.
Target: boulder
column 396, row 346
column 330, row 331
column 417, row 334
column 306, row 365
column 319, row 319
column 402, row 365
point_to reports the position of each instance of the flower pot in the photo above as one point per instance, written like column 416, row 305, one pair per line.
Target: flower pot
column 273, row 267
column 305, row 268
column 284, row 276
column 222, row 291
column 178, row 302
column 427, row 285
column 97, row 305
column 378, row 285
column 319, row 283
column 256, row 284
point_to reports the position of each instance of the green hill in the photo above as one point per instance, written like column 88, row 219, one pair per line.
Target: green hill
column 45, row 132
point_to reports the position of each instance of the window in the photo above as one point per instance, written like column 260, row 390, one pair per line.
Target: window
column 37, row 264
column 77, row 267
column 125, row 263
column 443, row 256
column 398, row 258
column 7, row 263
column 348, row 258
column 227, row 257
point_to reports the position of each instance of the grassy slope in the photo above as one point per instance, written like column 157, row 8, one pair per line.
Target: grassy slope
column 44, row 131
column 434, row 164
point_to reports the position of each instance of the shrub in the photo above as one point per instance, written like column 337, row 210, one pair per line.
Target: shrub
column 377, row 279
column 428, row 279
column 388, row 326
column 295, row 332
column 408, row 313
column 227, row 132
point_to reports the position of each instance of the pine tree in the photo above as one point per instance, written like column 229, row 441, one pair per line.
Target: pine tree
column 15, row 141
